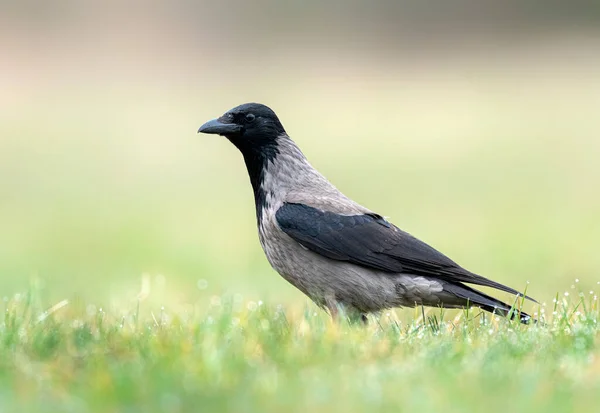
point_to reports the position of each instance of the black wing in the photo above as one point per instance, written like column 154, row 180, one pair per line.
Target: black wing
column 370, row 241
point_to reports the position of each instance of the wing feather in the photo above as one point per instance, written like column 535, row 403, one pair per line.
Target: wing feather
column 370, row 241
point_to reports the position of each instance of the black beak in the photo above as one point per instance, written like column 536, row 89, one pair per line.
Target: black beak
column 217, row 127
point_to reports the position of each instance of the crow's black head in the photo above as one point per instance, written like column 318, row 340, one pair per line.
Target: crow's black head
column 255, row 130
column 250, row 127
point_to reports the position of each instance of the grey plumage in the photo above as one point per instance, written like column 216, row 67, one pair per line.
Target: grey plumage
column 334, row 250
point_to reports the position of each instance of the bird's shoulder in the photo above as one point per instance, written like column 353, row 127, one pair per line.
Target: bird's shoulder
column 325, row 200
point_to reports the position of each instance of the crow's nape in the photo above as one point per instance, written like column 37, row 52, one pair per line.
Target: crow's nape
column 479, row 299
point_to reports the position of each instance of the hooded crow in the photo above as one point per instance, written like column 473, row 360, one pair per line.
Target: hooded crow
column 337, row 252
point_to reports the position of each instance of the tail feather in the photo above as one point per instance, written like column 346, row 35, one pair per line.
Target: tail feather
column 484, row 301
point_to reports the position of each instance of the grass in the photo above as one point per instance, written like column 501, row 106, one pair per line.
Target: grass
column 235, row 355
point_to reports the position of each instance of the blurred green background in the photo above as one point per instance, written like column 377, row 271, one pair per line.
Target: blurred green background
column 473, row 126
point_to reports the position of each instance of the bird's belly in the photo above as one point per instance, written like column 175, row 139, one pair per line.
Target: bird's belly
column 322, row 278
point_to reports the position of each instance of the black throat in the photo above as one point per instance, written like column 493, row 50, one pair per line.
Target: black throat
column 257, row 161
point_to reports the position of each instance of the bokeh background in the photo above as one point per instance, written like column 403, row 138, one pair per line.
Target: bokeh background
column 473, row 125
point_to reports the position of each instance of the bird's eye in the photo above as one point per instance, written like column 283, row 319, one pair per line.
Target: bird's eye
column 250, row 117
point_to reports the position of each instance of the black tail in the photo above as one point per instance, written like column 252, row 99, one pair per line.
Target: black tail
column 486, row 302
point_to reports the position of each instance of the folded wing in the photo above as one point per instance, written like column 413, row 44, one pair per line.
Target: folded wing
column 371, row 241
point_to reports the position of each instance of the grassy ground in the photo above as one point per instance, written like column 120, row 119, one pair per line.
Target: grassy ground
column 235, row 355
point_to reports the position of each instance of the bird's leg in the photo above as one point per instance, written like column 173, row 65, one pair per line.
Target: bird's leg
column 333, row 311
column 332, row 307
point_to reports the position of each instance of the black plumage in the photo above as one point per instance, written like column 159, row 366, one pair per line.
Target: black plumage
column 370, row 241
